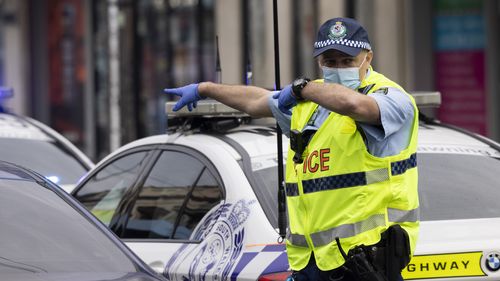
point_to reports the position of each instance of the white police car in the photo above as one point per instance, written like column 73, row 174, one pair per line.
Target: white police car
column 32, row 144
column 201, row 203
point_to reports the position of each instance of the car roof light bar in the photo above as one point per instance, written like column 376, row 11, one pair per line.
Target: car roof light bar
column 212, row 108
column 205, row 108
column 427, row 99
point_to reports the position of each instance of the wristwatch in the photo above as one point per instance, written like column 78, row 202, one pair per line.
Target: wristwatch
column 297, row 86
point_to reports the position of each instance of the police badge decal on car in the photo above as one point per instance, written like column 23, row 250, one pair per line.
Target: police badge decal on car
column 222, row 235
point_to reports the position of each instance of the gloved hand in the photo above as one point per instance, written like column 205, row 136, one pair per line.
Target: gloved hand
column 189, row 96
column 286, row 99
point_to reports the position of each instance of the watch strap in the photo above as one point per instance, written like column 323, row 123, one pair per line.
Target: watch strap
column 298, row 85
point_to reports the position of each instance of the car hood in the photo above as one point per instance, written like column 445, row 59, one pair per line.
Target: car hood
column 77, row 276
column 457, row 248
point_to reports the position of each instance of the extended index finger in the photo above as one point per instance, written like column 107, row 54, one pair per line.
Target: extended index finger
column 173, row 91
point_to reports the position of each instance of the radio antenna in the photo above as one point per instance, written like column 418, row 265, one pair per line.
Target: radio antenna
column 218, row 70
column 282, row 220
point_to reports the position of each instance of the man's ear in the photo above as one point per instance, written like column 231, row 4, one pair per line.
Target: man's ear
column 369, row 57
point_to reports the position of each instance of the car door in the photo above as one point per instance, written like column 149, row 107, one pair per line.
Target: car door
column 179, row 191
column 160, row 213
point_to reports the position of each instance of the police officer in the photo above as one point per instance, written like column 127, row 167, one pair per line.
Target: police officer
column 351, row 171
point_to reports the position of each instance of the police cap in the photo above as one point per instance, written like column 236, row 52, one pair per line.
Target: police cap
column 343, row 34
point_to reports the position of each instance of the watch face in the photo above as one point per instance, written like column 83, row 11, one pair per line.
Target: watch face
column 298, row 85
column 299, row 82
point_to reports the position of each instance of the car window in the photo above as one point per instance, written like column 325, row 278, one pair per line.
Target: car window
column 266, row 189
column 46, row 157
column 458, row 186
column 176, row 195
column 102, row 193
column 41, row 233
column 205, row 195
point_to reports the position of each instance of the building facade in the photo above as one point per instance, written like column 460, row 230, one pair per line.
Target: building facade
column 94, row 70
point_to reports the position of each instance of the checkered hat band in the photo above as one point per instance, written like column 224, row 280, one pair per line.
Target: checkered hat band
column 349, row 43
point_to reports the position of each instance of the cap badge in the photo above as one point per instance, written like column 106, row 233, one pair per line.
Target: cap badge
column 337, row 31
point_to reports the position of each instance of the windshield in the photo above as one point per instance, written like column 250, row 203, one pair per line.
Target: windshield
column 40, row 232
column 44, row 157
column 451, row 186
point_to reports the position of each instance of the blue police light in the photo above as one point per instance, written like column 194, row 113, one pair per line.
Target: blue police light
column 5, row 93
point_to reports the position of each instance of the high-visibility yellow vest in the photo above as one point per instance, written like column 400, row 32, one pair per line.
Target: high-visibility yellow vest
column 341, row 190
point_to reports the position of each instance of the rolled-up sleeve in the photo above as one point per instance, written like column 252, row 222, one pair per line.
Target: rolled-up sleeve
column 396, row 109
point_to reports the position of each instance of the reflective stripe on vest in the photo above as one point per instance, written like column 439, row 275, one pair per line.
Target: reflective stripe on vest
column 297, row 239
column 399, row 216
column 342, row 231
column 348, row 230
column 352, row 179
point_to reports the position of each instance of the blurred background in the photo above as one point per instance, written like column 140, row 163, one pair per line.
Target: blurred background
column 94, row 70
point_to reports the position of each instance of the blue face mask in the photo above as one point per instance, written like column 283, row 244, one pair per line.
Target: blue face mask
column 348, row 77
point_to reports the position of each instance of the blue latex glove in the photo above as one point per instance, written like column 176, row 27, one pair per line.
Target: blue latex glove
column 189, row 96
column 286, row 99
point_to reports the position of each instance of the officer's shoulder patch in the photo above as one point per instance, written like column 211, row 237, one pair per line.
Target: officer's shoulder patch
column 384, row 91
column 366, row 89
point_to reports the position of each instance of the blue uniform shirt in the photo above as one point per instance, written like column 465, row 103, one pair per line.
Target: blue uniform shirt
column 396, row 113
